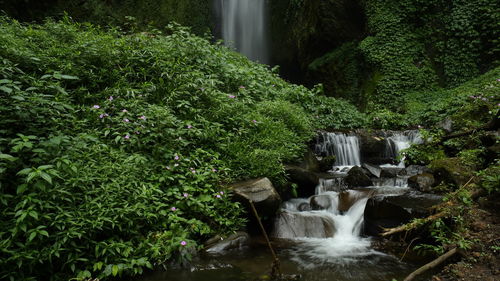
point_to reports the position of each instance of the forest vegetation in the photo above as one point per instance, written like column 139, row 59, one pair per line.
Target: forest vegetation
column 120, row 129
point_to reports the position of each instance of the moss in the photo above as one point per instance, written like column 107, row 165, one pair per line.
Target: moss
column 451, row 171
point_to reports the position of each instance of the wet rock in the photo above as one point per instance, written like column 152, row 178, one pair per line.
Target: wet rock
column 391, row 211
column 373, row 144
column 261, row 192
column 304, row 207
column 295, row 225
column 326, row 163
column 451, row 170
column 218, row 244
column 375, row 170
column 390, row 172
column 356, row 177
column 422, row 182
column 310, row 162
column 348, row 198
column 305, row 180
column 320, row 202
column 413, row 170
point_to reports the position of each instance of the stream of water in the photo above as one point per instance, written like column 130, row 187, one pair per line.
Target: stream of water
column 320, row 237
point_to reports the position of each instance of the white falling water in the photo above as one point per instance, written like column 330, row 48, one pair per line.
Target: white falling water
column 344, row 147
column 243, row 24
column 400, row 141
column 329, row 233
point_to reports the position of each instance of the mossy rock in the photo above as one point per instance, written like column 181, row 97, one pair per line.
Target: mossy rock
column 451, row 170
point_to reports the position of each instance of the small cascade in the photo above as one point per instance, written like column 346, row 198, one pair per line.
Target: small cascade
column 327, row 214
column 243, row 27
column 400, row 141
column 333, row 184
column 344, row 147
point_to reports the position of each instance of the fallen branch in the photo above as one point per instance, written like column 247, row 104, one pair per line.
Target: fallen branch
column 443, row 207
column 412, row 225
column 432, row 264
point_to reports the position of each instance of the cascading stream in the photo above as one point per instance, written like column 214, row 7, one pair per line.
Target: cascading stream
column 344, row 147
column 329, row 224
column 243, row 27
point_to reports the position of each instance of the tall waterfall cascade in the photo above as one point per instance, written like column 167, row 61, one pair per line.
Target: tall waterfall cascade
column 244, row 27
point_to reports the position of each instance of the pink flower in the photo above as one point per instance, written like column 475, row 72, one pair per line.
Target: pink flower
column 221, row 193
column 214, row 170
column 124, row 110
column 101, row 116
column 254, row 121
column 176, row 157
column 185, row 195
column 126, row 120
column 110, row 98
column 96, row 106
column 127, row 136
column 137, row 132
column 193, row 170
column 498, row 80
column 142, row 117
column 183, row 243
column 189, row 126
column 242, row 87
column 232, row 96
column 173, row 209
column 218, row 196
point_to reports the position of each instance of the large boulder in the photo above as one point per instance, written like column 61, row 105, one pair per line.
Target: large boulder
column 422, row 182
column 390, row 211
column 219, row 244
column 261, row 192
column 305, row 180
column 304, row 224
column 451, row 170
column 356, row 177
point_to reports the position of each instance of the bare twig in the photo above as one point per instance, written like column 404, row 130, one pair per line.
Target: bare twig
column 432, row 264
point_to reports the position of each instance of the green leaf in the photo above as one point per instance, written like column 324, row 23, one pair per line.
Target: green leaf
column 46, row 177
column 19, row 98
column 24, row 171
column 69, row 77
column 34, row 214
column 7, row 157
column 115, row 270
column 44, row 232
column 21, row 188
column 32, row 236
column 31, row 176
column 5, row 81
column 6, row 89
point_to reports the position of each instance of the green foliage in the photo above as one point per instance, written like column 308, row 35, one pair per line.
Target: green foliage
column 469, row 105
column 420, row 45
column 490, row 178
column 115, row 147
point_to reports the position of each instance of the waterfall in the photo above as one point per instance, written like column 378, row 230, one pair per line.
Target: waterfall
column 399, row 141
column 243, row 26
column 344, row 147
